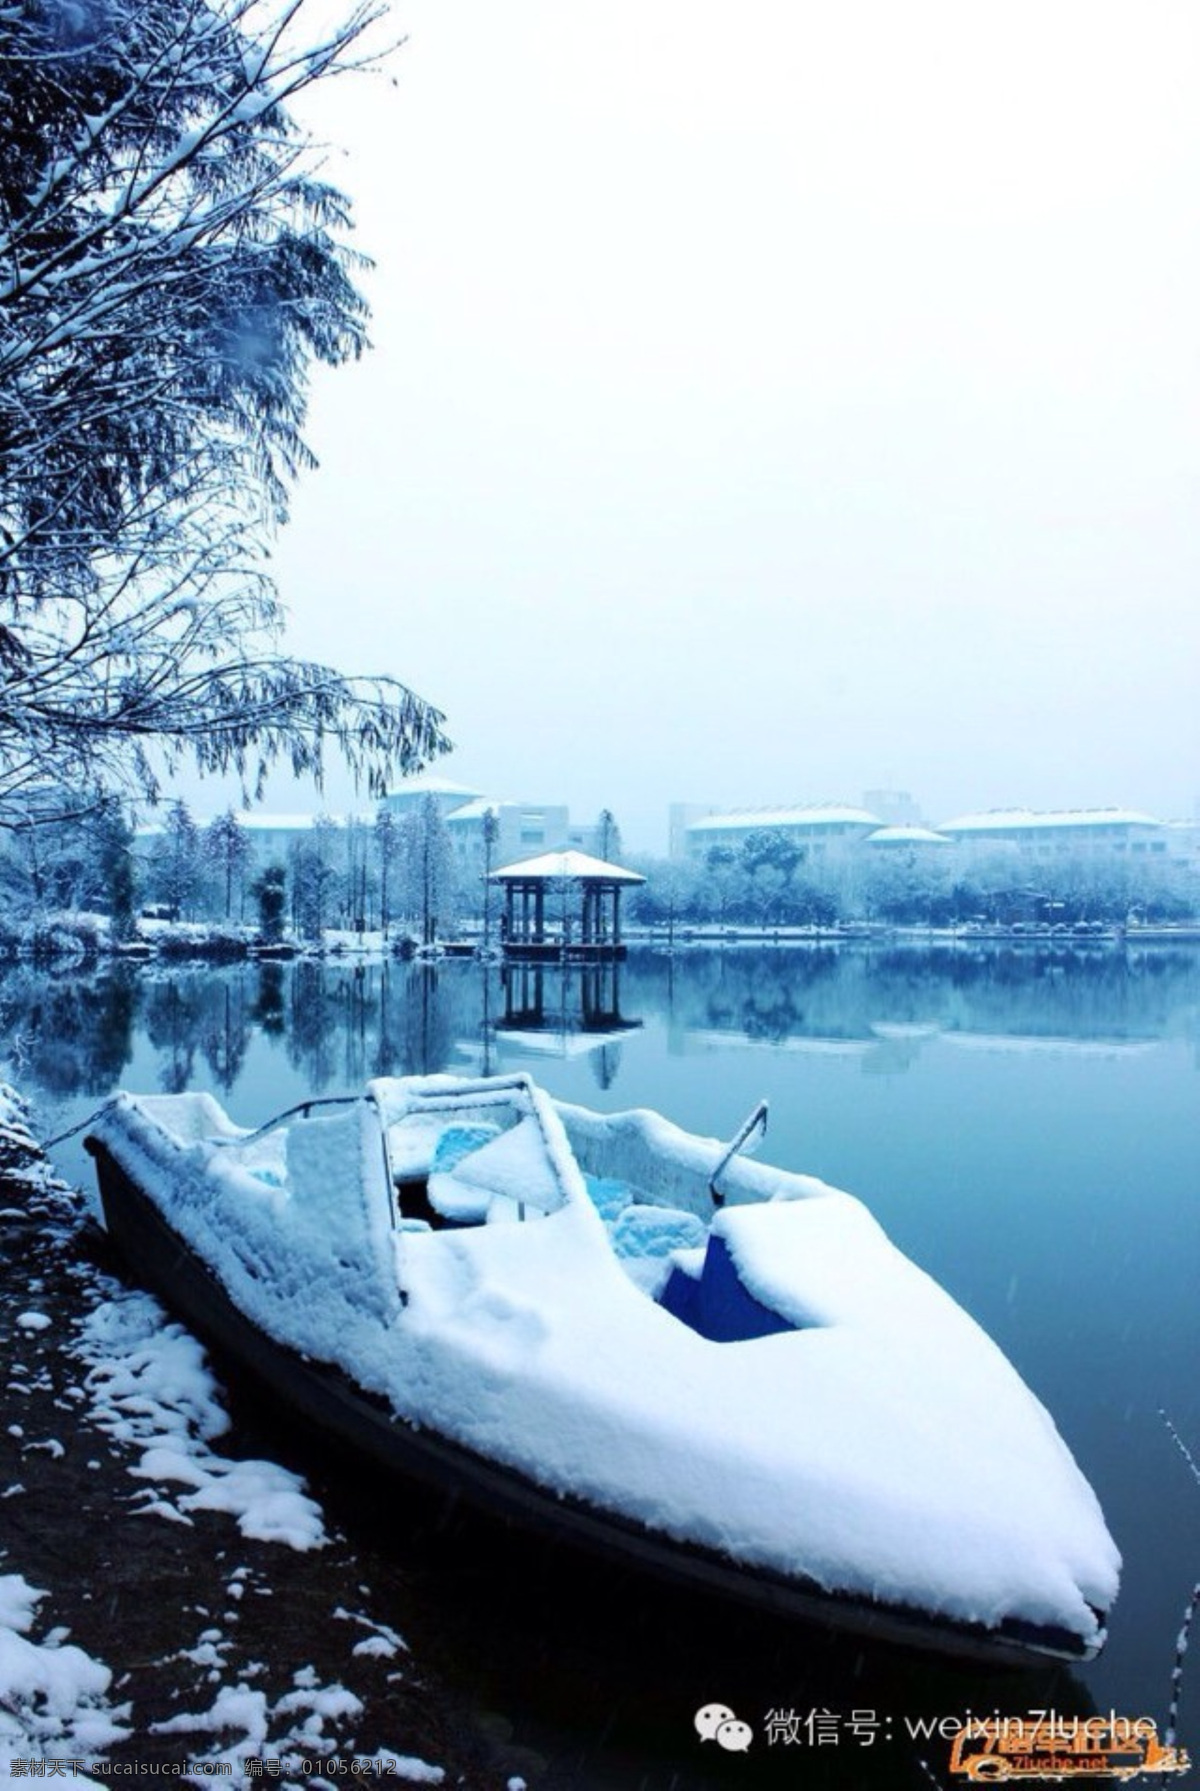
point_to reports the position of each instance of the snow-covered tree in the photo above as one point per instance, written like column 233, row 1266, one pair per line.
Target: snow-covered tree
column 387, row 853
column 670, row 894
column 491, row 835
column 177, row 862
column 358, row 884
column 428, row 868
column 112, row 843
column 608, row 837
column 270, row 892
column 315, row 878
column 227, row 849
column 171, row 266
column 722, row 877
column 769, row 860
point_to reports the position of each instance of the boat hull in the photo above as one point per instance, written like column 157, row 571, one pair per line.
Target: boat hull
column 334, row 1407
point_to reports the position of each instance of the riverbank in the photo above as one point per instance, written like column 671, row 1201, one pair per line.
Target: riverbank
column 83, row 941
column 164, row 1604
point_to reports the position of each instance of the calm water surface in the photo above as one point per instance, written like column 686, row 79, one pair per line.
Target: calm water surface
column 1026, row 1125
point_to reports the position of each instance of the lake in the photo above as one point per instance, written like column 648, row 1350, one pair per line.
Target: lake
column 1023, row 1121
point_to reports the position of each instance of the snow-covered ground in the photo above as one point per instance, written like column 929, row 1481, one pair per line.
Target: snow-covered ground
column 56, row 1696
column 142, row 1565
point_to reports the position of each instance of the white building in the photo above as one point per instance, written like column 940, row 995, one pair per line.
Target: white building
column 822, row 832
column 1095, row 835
column 907, row 839
column 410, row 797
column 523, row 828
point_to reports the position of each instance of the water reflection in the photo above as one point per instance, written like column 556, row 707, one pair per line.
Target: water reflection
column 562, row 1011
column 68, row 1035
column 189, row 1015
column 887, row 1004
column 340, row 1024
column 1022, row 1121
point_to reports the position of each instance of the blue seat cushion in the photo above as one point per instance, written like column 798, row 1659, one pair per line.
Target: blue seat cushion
column 715, row 1303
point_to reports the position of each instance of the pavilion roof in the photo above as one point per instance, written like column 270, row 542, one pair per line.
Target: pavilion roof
column 575, row 867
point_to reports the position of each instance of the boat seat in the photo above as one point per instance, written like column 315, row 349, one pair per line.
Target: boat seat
column 507, row 1169
column 644, row 1238
column 608, row 1196
column 456, row 1202
column 715, row 1303
column 421, row 1142
column 641, row 1230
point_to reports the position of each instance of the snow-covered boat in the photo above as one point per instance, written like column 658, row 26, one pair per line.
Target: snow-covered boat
column 738, row 1383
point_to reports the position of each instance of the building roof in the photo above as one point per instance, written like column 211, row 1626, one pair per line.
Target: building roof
column 254, row 820
column 907, row 836
column 1007, row 820
column 575, row 866
column 819, row 814
column 477, row 809
column 433, row 786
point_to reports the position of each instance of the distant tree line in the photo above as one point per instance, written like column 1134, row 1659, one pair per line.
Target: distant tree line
column 768, row 882
column 395, row 875
column 398, row 876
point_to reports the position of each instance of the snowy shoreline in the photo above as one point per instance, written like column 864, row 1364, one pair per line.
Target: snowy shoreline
column 165, row 1606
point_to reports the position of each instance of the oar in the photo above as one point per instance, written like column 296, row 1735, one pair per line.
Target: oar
column 743, row 1139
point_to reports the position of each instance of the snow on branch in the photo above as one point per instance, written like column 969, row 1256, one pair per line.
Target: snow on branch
column 171, row 266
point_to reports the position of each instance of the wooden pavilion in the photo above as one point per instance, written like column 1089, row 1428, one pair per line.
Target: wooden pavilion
column 563, row 905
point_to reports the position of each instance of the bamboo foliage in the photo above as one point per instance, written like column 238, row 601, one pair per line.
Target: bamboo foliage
column 171, row 266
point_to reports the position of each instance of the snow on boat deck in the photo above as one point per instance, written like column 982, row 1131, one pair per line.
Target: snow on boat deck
column 882, row 1448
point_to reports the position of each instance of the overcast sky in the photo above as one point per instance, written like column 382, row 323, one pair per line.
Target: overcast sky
column 773, row 402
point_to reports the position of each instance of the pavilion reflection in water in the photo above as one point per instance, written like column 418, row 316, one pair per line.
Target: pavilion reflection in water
column 567, row 1010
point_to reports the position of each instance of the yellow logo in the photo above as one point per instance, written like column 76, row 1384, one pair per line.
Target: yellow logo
column 1040, row 1746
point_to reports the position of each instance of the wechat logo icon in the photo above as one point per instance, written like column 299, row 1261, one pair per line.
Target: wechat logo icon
column 716, row 1722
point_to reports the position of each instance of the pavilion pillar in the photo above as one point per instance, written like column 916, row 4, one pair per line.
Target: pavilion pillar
column 616, row 918
column 539, row 913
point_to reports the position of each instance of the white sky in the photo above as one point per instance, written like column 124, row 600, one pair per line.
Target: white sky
column 773, row 402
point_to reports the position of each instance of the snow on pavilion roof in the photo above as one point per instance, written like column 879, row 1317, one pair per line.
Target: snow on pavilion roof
column 575, row 866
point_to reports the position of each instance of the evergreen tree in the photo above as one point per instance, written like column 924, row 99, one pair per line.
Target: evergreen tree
column 315, row 879
column 491, row 833
column 270, row 892
column 358, row 884
column 227, row 849
column 177, row 862
column 608, row 837
column 112, row 844
column 428, row 868
column 387, row 852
